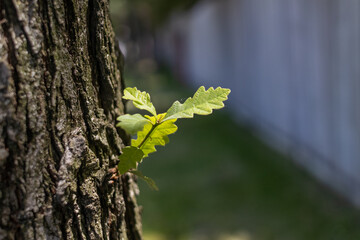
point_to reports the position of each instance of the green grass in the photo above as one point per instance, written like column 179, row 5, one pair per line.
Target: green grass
column 219, row 181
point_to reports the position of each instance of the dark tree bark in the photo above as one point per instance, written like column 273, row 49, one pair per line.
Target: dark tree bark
column 60, row 92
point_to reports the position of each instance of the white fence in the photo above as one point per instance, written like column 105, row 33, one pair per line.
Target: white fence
column 294, row 70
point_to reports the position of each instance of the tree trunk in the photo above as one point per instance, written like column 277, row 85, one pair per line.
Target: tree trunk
column 60, row 93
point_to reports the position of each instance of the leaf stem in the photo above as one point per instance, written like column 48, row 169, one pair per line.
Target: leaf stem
column 148, row 134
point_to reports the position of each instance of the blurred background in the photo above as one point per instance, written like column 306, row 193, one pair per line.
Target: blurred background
column 282, row 161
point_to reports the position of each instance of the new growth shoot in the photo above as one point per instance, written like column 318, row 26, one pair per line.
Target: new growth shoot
column 153, row 130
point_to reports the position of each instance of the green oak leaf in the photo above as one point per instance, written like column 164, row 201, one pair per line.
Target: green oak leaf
column 151, row 183
column 202, row 103
column 132, row 123
column 140, row 99
column 154, row 130
column 153, row 135
column 129, row 158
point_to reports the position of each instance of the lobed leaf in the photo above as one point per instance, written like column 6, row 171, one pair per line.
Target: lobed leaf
column 153, row 135
column 203, row 102
column 140, row 99
column 132, row 123
column 129, row 158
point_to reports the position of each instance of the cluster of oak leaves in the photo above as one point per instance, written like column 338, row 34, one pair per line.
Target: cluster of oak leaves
column 154, row 130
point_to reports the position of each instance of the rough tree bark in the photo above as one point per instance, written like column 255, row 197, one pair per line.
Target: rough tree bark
column 60, row 92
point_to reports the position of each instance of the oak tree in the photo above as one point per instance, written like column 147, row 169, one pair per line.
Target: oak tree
column 60, row 93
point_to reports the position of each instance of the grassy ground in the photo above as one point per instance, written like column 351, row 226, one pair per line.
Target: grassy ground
column 218, row 181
